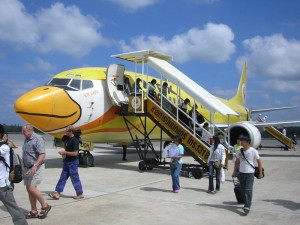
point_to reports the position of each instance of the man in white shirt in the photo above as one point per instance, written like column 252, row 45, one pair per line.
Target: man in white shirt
column 246, row 171
column 6, row 188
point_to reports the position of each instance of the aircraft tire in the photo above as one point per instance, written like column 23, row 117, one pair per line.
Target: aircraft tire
column 142, row 165
column 88, row 160
column 197, row 172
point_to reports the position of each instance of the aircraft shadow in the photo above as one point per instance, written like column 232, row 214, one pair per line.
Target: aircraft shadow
column 111, row 160
column 285, row 203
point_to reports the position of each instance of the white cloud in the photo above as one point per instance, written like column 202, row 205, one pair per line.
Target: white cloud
column 58, row 28
column 273, row 56
column 40, row 65
column 213, row 44
column 282, row 85
column 134, row 5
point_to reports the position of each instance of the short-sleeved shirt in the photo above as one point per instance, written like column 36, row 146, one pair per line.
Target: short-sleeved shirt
column 72, row 145
column 251, row 155
column 181, row 152
column 32, row 148
column 4, row 171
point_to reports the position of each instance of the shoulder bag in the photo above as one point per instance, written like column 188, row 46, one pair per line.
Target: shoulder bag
column 256, row 169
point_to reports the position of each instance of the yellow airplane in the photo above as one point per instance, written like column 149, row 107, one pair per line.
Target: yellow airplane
column 88, row 98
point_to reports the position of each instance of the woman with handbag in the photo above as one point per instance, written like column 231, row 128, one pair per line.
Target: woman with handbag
column 216, row 161
column 176, row 164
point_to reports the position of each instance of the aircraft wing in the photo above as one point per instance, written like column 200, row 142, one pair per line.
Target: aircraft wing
column 272, row 109
column 278, row 123
column 263, row 124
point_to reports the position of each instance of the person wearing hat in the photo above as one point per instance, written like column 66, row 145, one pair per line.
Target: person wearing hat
column 6, row 187
column 245, row 157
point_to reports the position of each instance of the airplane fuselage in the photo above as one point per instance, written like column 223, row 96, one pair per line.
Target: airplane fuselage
column 80, row 97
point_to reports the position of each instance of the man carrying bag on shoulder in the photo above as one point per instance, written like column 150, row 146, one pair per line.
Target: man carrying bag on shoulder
column 245, row 158
column 6, row 188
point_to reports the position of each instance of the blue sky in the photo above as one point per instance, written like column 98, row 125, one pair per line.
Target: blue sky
column 208, row 39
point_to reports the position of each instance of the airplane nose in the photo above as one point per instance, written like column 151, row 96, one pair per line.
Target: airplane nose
column 47, row 108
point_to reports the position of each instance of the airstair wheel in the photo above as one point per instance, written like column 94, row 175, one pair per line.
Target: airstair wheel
column 197, row 172
column 142, row 165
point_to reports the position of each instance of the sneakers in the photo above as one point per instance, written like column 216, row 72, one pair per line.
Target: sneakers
column 246, row 210
column 176, row 191
column 211, row 192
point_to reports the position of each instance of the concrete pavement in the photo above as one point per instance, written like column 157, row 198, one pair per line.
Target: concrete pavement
column 116, row 192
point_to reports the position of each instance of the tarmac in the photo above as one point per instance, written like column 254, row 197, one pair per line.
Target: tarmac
column 116, row 192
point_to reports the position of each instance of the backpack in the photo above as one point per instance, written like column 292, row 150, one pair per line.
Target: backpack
column 15, row 168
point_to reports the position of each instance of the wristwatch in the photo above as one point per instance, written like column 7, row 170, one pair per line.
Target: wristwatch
column 36, row 164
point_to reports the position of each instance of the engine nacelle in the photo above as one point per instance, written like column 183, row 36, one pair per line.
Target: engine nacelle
column 245, row 128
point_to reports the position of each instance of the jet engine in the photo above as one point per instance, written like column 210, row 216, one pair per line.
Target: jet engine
column 245, row 128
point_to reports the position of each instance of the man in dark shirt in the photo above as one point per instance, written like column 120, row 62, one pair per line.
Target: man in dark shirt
column 70, row 166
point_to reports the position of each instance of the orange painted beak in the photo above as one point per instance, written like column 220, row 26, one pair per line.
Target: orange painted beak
column 48, row 108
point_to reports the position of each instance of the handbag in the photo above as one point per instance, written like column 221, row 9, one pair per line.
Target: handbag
column 256, row 169
column 174, row 163
column 217, row 163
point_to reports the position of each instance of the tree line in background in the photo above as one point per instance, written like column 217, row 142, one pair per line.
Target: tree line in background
column 15, row 128
column 290, row 131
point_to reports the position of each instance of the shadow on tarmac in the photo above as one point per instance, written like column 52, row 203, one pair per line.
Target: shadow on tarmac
column 230, row 206
column 285, row 203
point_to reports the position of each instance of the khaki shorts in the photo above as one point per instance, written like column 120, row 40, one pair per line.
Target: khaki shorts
column 36, row 179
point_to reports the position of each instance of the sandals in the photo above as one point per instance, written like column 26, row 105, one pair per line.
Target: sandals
column 44, row 212
column 54, row 196
column 78, row 197
column 32, row 215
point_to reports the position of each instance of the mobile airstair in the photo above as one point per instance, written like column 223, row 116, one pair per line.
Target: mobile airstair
column 287, row 142
column 164, row 113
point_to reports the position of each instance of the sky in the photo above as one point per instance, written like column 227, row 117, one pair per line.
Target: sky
column 208, row 39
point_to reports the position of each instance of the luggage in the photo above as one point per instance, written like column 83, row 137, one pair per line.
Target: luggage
column 237, row 190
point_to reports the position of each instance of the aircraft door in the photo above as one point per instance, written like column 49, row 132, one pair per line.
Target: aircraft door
column 115, row 84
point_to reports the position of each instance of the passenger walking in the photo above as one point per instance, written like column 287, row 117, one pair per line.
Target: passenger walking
column 70, row 166
column 33, row 161
column 127, row 87
column 151, row 90
column 137, row 86
column 165, row 103
column 245, row 157
column 196, row 120
column 206, row 135
column 182, row 113
column 294, row 140
column 8, row 141
column 216, row 161
column 176, row 164
column 6, row 187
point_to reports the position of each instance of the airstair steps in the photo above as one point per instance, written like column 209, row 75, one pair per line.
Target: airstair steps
column 287, row 142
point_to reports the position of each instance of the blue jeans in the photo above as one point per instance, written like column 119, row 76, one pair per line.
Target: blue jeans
column 175, row 177
column 246, row 181
column 211, row 169
column 70, row 169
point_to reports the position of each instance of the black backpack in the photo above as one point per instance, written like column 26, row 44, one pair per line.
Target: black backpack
column 15, row 168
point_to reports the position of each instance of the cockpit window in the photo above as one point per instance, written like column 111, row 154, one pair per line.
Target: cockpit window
column 59, row 82
column 75, row 84
column 70, row 84
column 87, row 84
